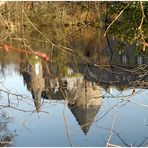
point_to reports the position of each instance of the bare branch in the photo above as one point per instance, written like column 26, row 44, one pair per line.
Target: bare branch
column 111, row 129
column 116, row 18
column 143, row 15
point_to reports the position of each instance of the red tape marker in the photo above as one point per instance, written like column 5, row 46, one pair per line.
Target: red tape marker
column 42, row 55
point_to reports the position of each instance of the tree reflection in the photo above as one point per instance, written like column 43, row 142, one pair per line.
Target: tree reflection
column 6, row 136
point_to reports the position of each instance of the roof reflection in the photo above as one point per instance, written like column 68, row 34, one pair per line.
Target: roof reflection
column 84, row 98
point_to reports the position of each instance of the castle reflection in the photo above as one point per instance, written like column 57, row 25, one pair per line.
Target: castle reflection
column 87, row 105
column 84, row 98
column 33, row 77
column 81, row 86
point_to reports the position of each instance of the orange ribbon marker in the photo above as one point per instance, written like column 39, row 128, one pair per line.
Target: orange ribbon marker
column 6, row 48
column 42, row 55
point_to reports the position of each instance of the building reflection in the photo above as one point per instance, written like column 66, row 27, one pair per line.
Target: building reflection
column 84, row 98
column 37, row 82
column 87, row 105
column 33, row 77
column 81, row 87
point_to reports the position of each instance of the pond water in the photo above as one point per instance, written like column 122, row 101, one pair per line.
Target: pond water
column 77, row 98
column 87, row 106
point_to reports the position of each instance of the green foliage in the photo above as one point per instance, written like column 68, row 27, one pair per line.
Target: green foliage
column 125, row 28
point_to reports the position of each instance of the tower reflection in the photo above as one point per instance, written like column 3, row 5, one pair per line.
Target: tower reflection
column 87, row 105
column 84, row 98
column 33, row 77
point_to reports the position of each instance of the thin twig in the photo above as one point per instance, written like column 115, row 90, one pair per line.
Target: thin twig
column 59, row 46
column 67, row 128
column 143, row 15
column 145, row 44
column 116, row 18
column 123, row 141
column 111, row 129
column 108, row 111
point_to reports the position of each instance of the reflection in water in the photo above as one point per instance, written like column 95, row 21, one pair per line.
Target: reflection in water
column 87, row 105
column 34, row 79
column 128, row 56
column 6, row 136
column 37, row 82
column 82, row 87
column 84, row 98
column 114, row 76
column 83, row 92
column 81, row 84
